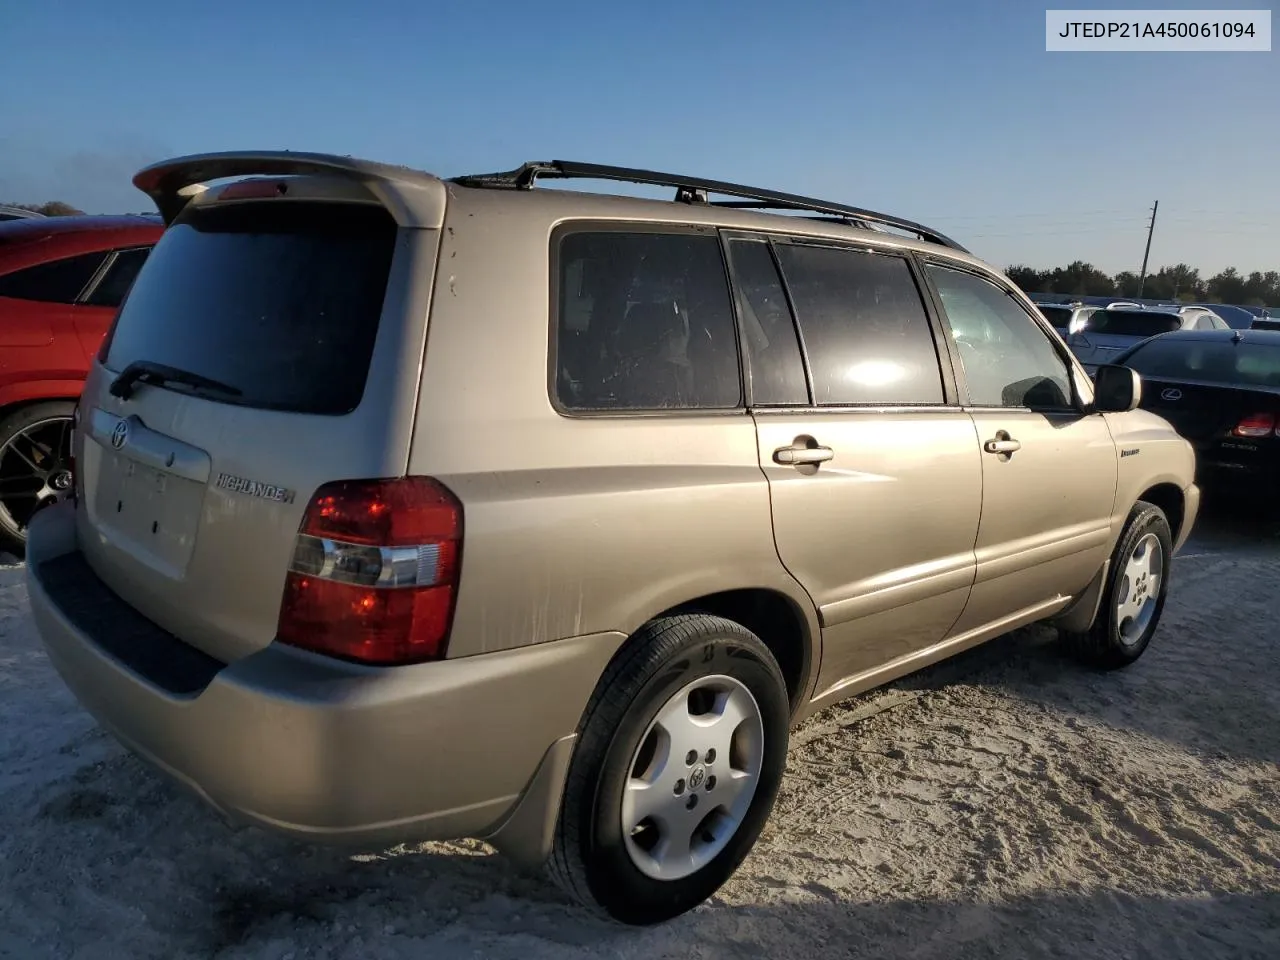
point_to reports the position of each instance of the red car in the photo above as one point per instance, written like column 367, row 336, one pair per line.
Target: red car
column 61, row 281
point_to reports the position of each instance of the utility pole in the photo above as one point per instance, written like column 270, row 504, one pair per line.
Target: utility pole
column 1151, row 228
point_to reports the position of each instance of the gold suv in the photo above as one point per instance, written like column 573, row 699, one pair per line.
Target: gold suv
column 413, row 508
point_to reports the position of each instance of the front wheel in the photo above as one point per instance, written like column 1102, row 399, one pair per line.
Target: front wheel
column 35, row 466
column 1133, row 601
column 677, row 766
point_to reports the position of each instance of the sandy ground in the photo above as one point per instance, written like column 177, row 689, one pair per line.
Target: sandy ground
column 1005, row 804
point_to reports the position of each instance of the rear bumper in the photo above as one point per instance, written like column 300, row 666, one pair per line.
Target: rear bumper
column 315, row 748
column 1215, row 471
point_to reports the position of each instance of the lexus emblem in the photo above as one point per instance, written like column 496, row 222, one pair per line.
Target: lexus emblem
column 1173, row 393
column 120, row 434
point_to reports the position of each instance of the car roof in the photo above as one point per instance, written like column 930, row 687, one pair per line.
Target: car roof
column 173, row 183
column 27, row 243
column 34, row 227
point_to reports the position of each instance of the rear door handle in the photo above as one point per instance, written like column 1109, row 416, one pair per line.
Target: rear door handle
column 1004, row 445
column 797, row 455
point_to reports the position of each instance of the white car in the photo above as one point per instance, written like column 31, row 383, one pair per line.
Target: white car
column 1108, row 332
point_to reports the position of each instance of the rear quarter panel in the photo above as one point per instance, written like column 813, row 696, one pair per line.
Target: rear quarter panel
column 573, row 525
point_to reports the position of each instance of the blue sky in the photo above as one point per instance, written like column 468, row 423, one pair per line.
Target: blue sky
column 950, row 113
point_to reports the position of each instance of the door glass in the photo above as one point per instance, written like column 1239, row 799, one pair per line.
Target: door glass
column 864, row 326
column 58, row 281
column 768, row 330
column 1007, row 358
column 111, row 289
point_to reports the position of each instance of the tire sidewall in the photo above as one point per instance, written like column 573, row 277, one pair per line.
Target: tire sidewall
column 11, row 536
column 614, row 880
column 1150, row 520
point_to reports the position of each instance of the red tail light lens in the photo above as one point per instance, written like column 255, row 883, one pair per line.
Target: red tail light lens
column 375, row 572
column 1255, row 425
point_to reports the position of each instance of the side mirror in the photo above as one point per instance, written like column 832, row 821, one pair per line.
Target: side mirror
column 1116, row 389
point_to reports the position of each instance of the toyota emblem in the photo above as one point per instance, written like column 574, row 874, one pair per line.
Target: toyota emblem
column 120, row 434
column 1173, row 393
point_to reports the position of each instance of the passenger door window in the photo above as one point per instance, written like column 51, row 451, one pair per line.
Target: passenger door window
column 774, row 363
column 1008, row 360
column 644, row 323
column 863, row 325
column 58, row 281
column 111, row 289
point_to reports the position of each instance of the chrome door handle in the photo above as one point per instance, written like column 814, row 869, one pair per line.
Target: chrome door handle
column 1004, row 445
column 796, row 456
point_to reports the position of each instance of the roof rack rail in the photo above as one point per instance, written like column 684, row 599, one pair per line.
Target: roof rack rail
column 697, row 190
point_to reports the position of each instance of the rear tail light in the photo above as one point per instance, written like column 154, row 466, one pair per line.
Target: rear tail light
column 1255, row 425
column 375, row 571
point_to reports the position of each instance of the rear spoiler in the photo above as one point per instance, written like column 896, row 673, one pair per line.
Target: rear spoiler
column 169, row 182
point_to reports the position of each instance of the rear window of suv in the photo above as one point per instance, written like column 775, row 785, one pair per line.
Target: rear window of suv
column 1132, row 323
column 1058, row 316
column 280, row 300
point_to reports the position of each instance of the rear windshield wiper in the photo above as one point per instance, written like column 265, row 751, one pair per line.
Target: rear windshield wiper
column 158, row 374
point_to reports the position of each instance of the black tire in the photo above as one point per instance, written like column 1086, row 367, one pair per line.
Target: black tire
column 590, row 860
column 15, row 513
column 1102, row 645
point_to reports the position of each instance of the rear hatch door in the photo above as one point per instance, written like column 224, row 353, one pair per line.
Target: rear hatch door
column 268, row 346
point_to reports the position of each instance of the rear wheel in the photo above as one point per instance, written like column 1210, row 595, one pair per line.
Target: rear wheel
column 678, row 763
column 35, row 466
column 1137, row 584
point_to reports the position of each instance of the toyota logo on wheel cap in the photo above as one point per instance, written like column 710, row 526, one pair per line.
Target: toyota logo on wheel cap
column 120, row 434
column 1173, row 393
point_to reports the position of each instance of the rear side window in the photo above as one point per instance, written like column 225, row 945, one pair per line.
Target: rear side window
column 644, row 322
column 864, row 326
column 119, row 278
column 58, row 281
column 280, row 300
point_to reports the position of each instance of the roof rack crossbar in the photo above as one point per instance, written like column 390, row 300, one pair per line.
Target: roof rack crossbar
column 695, row 190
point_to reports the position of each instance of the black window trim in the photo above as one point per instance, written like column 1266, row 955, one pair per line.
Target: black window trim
column 95, row 281
column 1056, row 342
column 951, row 394
column 728, row 237
column 616, row 225
column 87, row 290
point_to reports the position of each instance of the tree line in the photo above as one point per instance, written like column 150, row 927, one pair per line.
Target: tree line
column 53, row 208
column 1180, row 282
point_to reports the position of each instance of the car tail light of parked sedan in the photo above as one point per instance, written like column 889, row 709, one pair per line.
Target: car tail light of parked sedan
column 1255, row 425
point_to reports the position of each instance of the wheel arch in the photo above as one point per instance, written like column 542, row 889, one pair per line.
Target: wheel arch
column 15, row 396
column 790, row 631
column 1169, row 498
